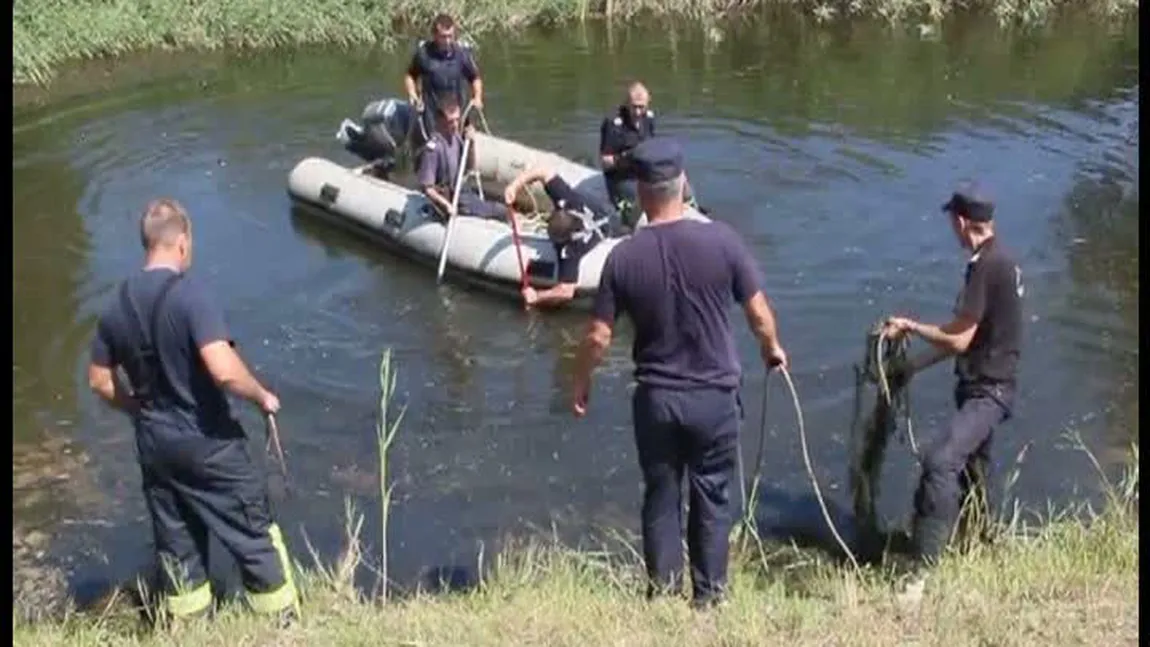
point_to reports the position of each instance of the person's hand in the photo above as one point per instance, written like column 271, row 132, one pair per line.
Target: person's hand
column 269, row 403
column 469, row 131
column 415, row 102
column 509, row 194
column 896, row 327
column 477, row 102
column 774, row 356
column 530, row 296
column 579, row 397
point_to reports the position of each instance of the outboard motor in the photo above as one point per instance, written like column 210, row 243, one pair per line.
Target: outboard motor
column 386, row 129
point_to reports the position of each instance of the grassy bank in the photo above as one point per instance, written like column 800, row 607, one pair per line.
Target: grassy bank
column 1069, row 579
column 1068, row 584
column 47, row 34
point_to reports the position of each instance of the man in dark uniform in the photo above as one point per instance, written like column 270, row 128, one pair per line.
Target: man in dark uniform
column 577, row 223
column 633, row 122
column 676, row 279
column 168, row 334
column 440, row 67
column 985, row 337
column 439, row 167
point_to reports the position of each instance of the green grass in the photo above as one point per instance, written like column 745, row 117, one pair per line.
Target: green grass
column 48, row 33
column 1071, row 578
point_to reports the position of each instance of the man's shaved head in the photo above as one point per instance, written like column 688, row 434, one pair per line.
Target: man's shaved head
column 163, row 222
column 637, row 94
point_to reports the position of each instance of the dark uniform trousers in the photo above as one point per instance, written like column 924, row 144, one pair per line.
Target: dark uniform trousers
column 694, row 431
column 955, row 465
column 196, row 485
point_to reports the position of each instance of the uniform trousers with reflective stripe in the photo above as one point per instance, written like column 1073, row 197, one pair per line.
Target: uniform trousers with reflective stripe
column 694, row 432
column 195, row 486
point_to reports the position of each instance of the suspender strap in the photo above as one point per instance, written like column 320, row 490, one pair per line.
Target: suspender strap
column 151, row 364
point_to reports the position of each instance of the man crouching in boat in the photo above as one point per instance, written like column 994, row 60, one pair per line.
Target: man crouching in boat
column 576, row 225
column 439, row 166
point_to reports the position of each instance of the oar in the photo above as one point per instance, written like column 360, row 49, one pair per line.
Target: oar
column 453, row 216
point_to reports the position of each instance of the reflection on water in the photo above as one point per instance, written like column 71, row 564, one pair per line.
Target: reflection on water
column 828, row 150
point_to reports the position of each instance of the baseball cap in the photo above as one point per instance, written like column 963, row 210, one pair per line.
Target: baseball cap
column 657, row 159
column 972, row 201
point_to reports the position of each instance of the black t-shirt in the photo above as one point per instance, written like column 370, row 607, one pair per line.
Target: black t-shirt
column 619, row 134
column 442, row 72
column 190, row 402
column 594, row 212
column 992, row 295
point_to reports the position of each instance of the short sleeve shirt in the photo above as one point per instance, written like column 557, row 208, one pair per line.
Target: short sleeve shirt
column 677, row 283
column 991, row 295
column 189, row 319
column 570, row 255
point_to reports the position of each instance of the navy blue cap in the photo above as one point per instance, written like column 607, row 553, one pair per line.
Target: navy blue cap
column 972, row 202
column 657, row 159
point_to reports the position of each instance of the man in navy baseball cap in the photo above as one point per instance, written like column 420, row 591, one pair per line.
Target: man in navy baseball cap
column 970, row 201
column 984, row 337
column 658, row 159
column 676, row 280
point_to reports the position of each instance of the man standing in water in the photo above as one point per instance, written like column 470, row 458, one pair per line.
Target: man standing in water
column 676, row 279
column 985, row 338
column 632, row 123
column 441, row 67
column 169, row 336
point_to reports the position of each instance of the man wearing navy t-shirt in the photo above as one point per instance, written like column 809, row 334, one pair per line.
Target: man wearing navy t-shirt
column 676, row 279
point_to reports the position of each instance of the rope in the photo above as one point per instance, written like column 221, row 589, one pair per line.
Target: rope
column 482, row 119
column 806, row 460
column 811, row 471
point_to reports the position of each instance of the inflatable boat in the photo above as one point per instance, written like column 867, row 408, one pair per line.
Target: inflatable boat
column 482, row 250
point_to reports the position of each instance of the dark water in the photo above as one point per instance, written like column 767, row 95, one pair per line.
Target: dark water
column 829, row 150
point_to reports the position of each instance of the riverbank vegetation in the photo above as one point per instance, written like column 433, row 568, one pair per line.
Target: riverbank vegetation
column 1070, row 578
column 48, row 34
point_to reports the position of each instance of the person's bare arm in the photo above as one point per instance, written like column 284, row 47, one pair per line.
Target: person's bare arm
column 435, row 196
column 557, row 294
column 426, row 175
column 606, row 153
column 106, row 383
column 537, row 174
column 761, row 321
column 477, row 91
column 595, row 344
column 230, row 372
column 952, row 338
column 409, row 82
column 410, row 89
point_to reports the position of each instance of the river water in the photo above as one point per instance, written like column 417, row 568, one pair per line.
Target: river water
column 829, row 150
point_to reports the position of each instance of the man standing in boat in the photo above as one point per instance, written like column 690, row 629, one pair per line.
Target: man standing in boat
column 985, row 338
column 169, row 336
column 632, row 123
column 441, row 67
column 676, row 279
column 576, row 224
column 439, row 166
